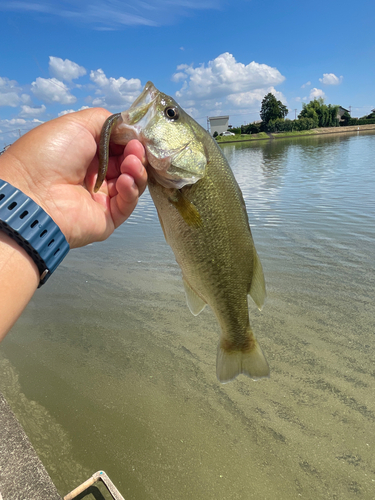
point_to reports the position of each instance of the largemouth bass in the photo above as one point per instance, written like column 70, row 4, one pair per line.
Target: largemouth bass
column 203, row 216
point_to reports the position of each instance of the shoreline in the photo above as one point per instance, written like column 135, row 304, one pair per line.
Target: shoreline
column 263, row 136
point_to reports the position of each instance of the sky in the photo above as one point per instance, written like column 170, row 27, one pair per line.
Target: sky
column 215, row 57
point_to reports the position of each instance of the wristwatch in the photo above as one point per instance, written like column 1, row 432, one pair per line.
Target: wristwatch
column 33, row 229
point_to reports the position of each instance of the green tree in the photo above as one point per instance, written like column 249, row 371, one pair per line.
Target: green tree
column 251, row 128
column 272, row 109
column 345, row 119
column 323, row 115
column 312, row 110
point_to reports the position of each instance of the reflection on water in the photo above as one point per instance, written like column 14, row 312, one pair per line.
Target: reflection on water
column 107, row 369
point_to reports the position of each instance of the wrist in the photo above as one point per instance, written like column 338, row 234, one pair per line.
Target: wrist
column 13, row 258
column 13, row 171
column 32, row 228
column 19, row 280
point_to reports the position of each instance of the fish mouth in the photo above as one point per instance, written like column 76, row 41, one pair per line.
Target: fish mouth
column 137, row 114
column 148, row 95
column 169, row 166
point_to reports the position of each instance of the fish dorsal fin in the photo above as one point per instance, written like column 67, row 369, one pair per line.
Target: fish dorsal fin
column 258, row 286
column 194, row 302
column 186, row 209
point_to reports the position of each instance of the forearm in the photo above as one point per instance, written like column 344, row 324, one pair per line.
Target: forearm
column 19, row 278
column 55, row 165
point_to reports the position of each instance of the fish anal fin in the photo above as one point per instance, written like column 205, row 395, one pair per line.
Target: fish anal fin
column 186, row 209
column 258, row 285
column 194, row 302
column 230, row 363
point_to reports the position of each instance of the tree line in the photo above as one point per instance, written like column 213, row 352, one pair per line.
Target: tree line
column 313, row 115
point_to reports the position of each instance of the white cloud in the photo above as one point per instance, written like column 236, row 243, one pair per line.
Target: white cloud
column 177, row 77
column 11, row 129
column 67, row 111
column 9, row 92
column 224, row 76
column 26, row 99
column 113, row 14
column 330, row 79
column 316, row 93
column 114, row 92
column 15, row 121
column 6, row 84
column 32, row 110
column 237, row 87
column 249, row 99
column 51, row 90
column 9, row 99
column 64, row 69
column 307, row 84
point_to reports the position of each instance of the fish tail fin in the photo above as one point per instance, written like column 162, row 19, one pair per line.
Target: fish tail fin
column 231, row 362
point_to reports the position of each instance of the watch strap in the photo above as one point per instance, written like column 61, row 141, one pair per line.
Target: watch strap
column 33, row 229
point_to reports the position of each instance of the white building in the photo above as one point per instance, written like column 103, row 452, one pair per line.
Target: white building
column 218, row 124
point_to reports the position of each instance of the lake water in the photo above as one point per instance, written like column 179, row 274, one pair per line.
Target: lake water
column 107, row 369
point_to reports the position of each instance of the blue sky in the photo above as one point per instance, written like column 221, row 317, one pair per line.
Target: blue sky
column 215, row 57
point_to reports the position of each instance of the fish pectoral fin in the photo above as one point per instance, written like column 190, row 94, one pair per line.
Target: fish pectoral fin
column 194, row 302
column 186, row 209
column 162, row 226
column 258, row 285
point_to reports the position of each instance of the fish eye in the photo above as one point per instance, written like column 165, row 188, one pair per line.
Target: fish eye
column 171, row 113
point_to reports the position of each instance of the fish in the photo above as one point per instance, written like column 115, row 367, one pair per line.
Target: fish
column 204, row 219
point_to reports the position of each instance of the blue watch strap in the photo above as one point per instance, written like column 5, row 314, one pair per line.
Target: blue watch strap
column 33, row 229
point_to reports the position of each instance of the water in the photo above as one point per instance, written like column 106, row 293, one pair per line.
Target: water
column 107, row 369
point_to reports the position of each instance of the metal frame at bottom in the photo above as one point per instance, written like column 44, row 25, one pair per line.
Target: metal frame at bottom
column 98, row 476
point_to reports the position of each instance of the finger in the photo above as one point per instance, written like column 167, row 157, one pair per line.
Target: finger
column 125, row 201
column 132, row 166
column 116, row 156
column 91, row 174
column 134, row 147
column 112, row 189
column 92, row 119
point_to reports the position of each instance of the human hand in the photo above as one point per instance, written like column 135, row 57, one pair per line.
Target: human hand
column 56, row 165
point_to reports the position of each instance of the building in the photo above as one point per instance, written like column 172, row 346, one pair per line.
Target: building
column 340, row 113
column 218, row 124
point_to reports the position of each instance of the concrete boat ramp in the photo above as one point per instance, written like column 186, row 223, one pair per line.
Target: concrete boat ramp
column 22, row 474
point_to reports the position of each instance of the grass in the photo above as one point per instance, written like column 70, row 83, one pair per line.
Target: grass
column 279, row 135
column 261, row 136
column 242, row 137
column 294, row 133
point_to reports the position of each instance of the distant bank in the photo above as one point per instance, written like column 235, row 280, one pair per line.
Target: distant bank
column 281, row 135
